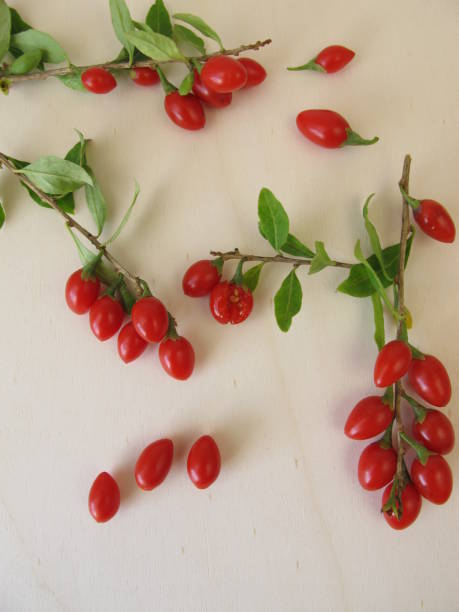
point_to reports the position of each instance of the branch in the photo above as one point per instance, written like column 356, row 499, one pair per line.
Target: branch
column 4, row 161
column 229, row 255
column 57, row 72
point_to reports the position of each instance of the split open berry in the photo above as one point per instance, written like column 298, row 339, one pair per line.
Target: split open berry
column 230, row 303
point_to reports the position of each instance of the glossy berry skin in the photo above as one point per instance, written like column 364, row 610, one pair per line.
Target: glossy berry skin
column 334, row 58
column 177, row 357
column 209, row 97
column 230, row 303
column 145, row 77
column 435, row 432
column 392, row 363
column 130, row 344
column 411, row 507
column 434, row 220
column 81, row 294
column 223, row 74
column 154, row 463
column 429, row 379
column 185, row 111
column 105, row 317
column 323, row 127
column 369, row 418
column 203, row 464
column 104, row 498
column 377, row 466
column 200, row 278
column 150, row 319
column 434, row 480
column 98, row 80
column 256, row 74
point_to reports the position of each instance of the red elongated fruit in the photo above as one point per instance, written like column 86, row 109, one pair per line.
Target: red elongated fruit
column 204, row 462
column 434, row 480
column 185, row 111
column 80, row 294
column 329, row 129
column 177, row 357
column 200, row 278
column 411, row 503
column 434, row 220
column 150, row 319
column 334, row 58
column 377, row 465
column 104, row 498
column 208, row 96
column 256, row 74
column 154, row 463
column 130, row 344
column 105, row 317
column 435, row 432
column 223, row 74
column 369, row 418
column 392, row 363
column 429, row 378
column 230, row 303
column 98, row 80
column 145, row 77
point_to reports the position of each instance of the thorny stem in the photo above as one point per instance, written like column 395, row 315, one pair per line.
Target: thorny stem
column 4, row 161
column 56, row 72
column 236, row 255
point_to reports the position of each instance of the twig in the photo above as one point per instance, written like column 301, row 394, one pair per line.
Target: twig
column 4, row 161
column 229, row 255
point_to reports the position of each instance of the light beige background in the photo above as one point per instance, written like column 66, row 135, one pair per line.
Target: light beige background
column 286, row 526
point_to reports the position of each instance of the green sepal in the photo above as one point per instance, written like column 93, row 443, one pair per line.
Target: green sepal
column 409, row 200
column 386, row 440
column 127, row 299
column 420, row 411
column 416, row 353
column 311, row 65
column 421, row 451
column 2, row 215
column 187, row 84
column 388, row 397
column 89, row 270
column 238, row 278
column 146, row 289
column 354, row 139
column 167, row 85
column 218, row 263
column 171, row 333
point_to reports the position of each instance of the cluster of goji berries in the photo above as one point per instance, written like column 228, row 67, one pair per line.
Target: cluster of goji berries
column 213, row 85
column 150, row 324
column 151, row 469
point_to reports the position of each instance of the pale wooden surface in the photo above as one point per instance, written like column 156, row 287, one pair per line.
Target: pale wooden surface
column 286, row 526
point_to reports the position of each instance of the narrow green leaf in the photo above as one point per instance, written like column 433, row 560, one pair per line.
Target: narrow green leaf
column 106, row 274
column 77, row 153
column 185, row 35
column 86, row 255
column 26, row 62
column 2, row 215
column 273, row 220
column 374, row 238
column 320, row 260
column 380, row 337
column 125, row 219
column 296, row 248
column 287, row 301
column 187, row 84
column 96, row 202
column 122, row 25
column 73, row 80
column 17, row 23
column 252, row 276
column 5, row 28
column 200, row 25
column 156, row 46
column 159, row 20
column 143, row 27
column 30, row 40
column 56, row 176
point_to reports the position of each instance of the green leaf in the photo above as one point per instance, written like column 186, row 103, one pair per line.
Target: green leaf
column 56, row 176
column 185, row 35
column 96, row 202
column 125, row 219
column 17, row 23
column 252, row 276
column 287, row 301
column 26, row 62
column 30, row 40
column 73, row 80
column 142, row 26
column 156, row 46
column 358, row 283
column 5, row 28
column 380, row 337
column 86, row 255
column 122, row 24
column 273, row 220
column 320, row 260
column 2, row 215
column 296, row 248
column 374, row 238
column 200, row 25
column 187, row 84
column 77, row 153
column 159, row 20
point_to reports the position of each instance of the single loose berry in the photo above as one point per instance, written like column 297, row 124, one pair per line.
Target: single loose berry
column 334, row 58
column 329, row 129
column 98, row 80
column 154, row 463
column 230, row 303
column 204, row 462
column 104, row 498
column 80, row 293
